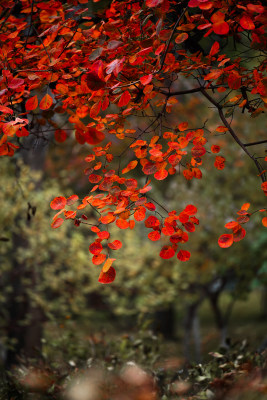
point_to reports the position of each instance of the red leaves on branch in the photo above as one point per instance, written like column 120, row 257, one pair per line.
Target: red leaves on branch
column 97, row 75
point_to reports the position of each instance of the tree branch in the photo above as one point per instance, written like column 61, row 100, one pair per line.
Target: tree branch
column 255, row 143
column 181, row 92
column 233, row 134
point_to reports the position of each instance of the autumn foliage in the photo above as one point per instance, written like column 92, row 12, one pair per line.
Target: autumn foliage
column 60, row 63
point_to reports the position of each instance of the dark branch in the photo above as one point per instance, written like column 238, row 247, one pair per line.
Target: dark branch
column 234, row 135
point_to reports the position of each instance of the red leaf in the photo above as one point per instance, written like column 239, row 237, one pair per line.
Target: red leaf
column 149, row 168
column 264, row 221
column 150, row 206
column 58, row 203
column 46, row 102
column 189, row 227
column 234, row 80
column 107, row 277
column 130, row 166
column 93, row 136
column 60, row 135
column 167, row 252
column 190, row 209
column 154, row 236
column 115, row 245
column 98, row 259
column 122, row 223
column 198, row 151
column 215, row 149
column 246, row 22
column 57, row 223
column 239, row 234
column 181, row 38
column 15, row 83
column 245, row 206
column 161, row 174
column 95, row 247
column 93, row 81
column 107, row 219
column 124, row 99
column 152, row 222
column 153, row 3
column 243, row 219
column 146, row 79
column 221, row 28
column 226, row 240
column 72, row 199
column 231, row 225
column 183, row 126
column 103, row 234
column 32, row 103
column 6, row 110
column 140, row 214
column 219, row 162
column 183, row 255
column 214, row 49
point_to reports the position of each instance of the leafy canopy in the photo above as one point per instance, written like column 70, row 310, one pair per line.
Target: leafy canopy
column 64, row 70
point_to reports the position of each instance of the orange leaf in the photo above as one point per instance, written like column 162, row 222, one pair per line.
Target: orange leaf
column 264, row 221
column 226, row 240
column 108, row 264
column 181, row 38
column 130, row 166
column 107, row 219
column 183, row 126
column 32, row 103
column 46, row 102
column 215, row 74
column 245, row 206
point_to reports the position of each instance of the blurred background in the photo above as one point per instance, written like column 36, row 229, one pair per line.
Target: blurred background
column 52, row 305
